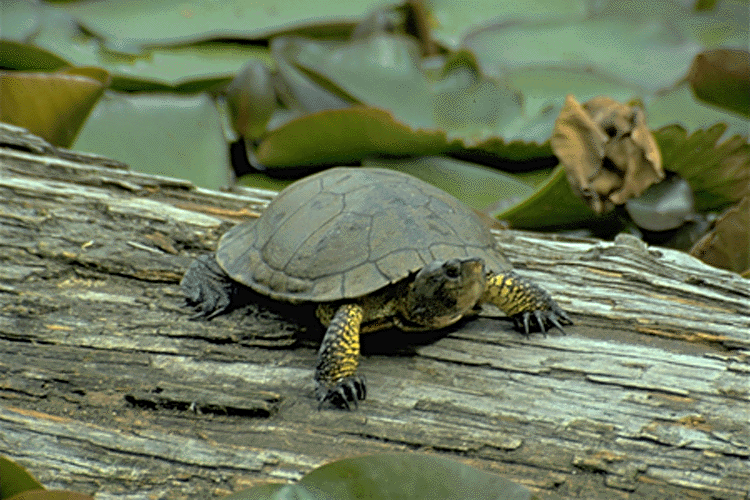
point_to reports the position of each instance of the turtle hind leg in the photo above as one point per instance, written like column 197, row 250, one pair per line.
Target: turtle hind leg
column 207, row 288
column 336, row 378
column 525, row 302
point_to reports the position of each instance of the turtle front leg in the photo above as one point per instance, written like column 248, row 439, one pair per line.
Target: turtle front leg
column 336, row 378
column 521, row 299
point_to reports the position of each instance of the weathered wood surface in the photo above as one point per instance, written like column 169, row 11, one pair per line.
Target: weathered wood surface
column 108, row 387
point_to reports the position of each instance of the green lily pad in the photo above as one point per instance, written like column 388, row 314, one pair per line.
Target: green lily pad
column 392, row 476
column 650, row 51
column 380, row 71
column 718, row 170
column 51, row 105
column 301, row 90
column 59, row 34
column 129, row 26
column 188, row 68
column 724, row 25
column 727, row 245
column 552, row 205
column 452, row 20
column 722, row 78
column 680, row 106
column 160, row 134
column 384, row 71
column 545, row 89
column 342, row 136
column 21, row 56
column 407, row 114
column 51, row 495
column 14, row 479
column 19, row 20
column 409, row 475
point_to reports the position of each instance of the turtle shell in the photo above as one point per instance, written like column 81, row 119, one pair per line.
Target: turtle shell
column 347, row 232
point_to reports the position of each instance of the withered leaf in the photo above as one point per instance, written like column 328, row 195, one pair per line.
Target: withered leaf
column 608, row 151
column 728, row 244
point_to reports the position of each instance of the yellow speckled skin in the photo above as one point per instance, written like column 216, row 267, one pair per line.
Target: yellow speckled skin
column 514, row 295
column 338, row 356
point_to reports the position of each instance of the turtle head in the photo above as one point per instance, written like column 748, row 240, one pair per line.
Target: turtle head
column 444, row 290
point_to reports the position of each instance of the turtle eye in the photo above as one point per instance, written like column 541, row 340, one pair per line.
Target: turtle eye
column 452, row 270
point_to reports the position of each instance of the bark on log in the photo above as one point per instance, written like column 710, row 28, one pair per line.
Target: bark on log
column 109, row 388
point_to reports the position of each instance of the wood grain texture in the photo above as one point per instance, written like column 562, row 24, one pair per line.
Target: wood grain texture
column 109, row 388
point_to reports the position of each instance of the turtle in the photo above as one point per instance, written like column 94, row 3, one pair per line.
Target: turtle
column 371, row 249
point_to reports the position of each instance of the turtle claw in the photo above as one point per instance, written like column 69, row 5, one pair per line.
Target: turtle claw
column 347, row 392
column 555, row 317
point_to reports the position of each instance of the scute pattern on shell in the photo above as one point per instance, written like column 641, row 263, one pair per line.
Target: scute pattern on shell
column 347, row 232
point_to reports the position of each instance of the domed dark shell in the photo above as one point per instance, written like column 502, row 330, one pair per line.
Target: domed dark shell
column 347, row 232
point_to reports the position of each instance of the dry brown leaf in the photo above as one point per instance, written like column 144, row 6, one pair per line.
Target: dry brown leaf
column 608, row 151
column 727, row 245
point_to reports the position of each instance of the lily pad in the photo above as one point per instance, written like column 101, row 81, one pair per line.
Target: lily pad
column 722, row 77
column 392, row 476
column 188, row 68
column 19, row 19
column 129, row 26
column 679, row 106
column 21, row 56
column 718, row 171
column 728, row 244
column 301, row 91
column 552, row 205
column 342, row 136
column 160, row 134
column 51, row 495
column 14, row 479
column 451, row 20
column 409, row 475
column 651, row 52
column 384, row 71
column 51, row 105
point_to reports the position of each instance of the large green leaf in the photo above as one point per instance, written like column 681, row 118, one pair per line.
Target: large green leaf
column 58, row 41
column 345, row 135
column 722, row 77
column 413, row 476
column 160, row 134
column 718, row 170
column 19, row 20
column 644, row 46
column 451, row 19
column 301, row 91
column 21, row 56
column 680, row 106
column 51, row 105
column 384, row 71
column 129, row 26
column 185, row 69
column 14, row 479
column 392, row 476
column 552, row 205
column 51, row 495
column 380, row 71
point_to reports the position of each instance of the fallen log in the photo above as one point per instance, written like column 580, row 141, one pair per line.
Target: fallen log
column 108, row 387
